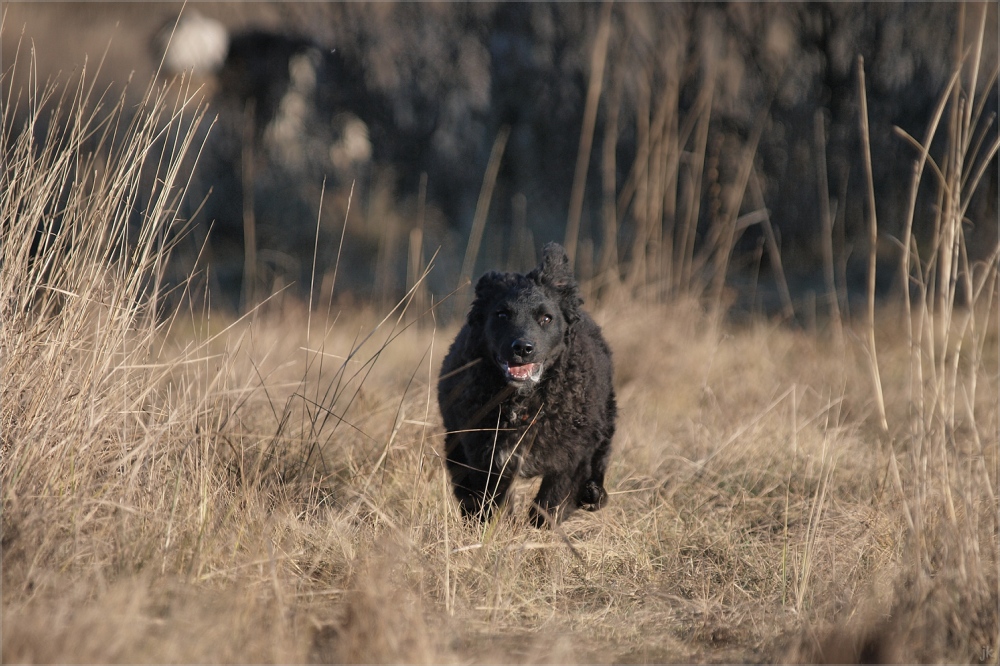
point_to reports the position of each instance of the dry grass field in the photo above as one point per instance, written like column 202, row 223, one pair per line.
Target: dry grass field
column 182, row 487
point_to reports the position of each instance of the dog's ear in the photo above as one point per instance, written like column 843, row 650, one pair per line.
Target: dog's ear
column 487, row 289
column 556, row 274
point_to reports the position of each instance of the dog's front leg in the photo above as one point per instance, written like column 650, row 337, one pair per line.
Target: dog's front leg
column 556, row 498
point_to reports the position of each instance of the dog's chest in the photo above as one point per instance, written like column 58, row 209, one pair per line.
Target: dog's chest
column 532, row 437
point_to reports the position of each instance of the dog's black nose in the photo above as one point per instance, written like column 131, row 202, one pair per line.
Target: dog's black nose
column 523, row 348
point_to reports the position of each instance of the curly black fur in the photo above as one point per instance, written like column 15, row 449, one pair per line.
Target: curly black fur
column 526, row 390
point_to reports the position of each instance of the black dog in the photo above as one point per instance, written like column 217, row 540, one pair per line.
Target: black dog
column 526, row 390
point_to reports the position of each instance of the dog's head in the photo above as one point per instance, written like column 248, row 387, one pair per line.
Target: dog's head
column 521, row 321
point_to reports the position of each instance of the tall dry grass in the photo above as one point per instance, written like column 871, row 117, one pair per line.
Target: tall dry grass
column 941, row 442
column 686, row 201
column 183, row 487
column 87, row 203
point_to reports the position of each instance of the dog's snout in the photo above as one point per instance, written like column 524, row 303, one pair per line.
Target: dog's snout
column 523, row 348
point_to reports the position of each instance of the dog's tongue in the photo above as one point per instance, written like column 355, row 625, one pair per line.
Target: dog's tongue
column 521, row 371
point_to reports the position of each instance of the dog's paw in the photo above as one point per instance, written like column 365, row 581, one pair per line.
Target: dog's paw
column 592, row 496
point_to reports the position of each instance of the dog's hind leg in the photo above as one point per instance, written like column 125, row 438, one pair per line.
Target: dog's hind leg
column 591, row 495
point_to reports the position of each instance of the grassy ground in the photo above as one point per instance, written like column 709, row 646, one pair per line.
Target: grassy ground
column 753, row 511
column 179, row 487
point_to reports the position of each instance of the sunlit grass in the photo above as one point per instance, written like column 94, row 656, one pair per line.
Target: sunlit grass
column 183, row 486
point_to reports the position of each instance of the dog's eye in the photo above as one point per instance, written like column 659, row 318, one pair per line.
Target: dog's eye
column 544, row 321
column 502, row 315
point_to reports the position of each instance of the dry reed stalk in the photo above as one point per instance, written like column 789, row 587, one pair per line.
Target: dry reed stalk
column 312, row 273
column 832, row 293
column 597, row 61
column 785, row 555
column 654, row 197
column 340, row 251
column 872, row 247
column 774, row 252
column 390, row 229
column 828, row 463
column 686, row 242
column 662, row 185
column 521, row 248
column 415, row 257
column 652, row 189
column 637, row 269
column 608, row 262
column 483, row 206
column 674, row 137
column 722, row 237
column 248, row 290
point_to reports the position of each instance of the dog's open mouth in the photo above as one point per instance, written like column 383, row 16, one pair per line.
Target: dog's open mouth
column 524, row 372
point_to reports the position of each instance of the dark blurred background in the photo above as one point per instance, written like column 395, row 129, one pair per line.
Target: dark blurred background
column 704, row 126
